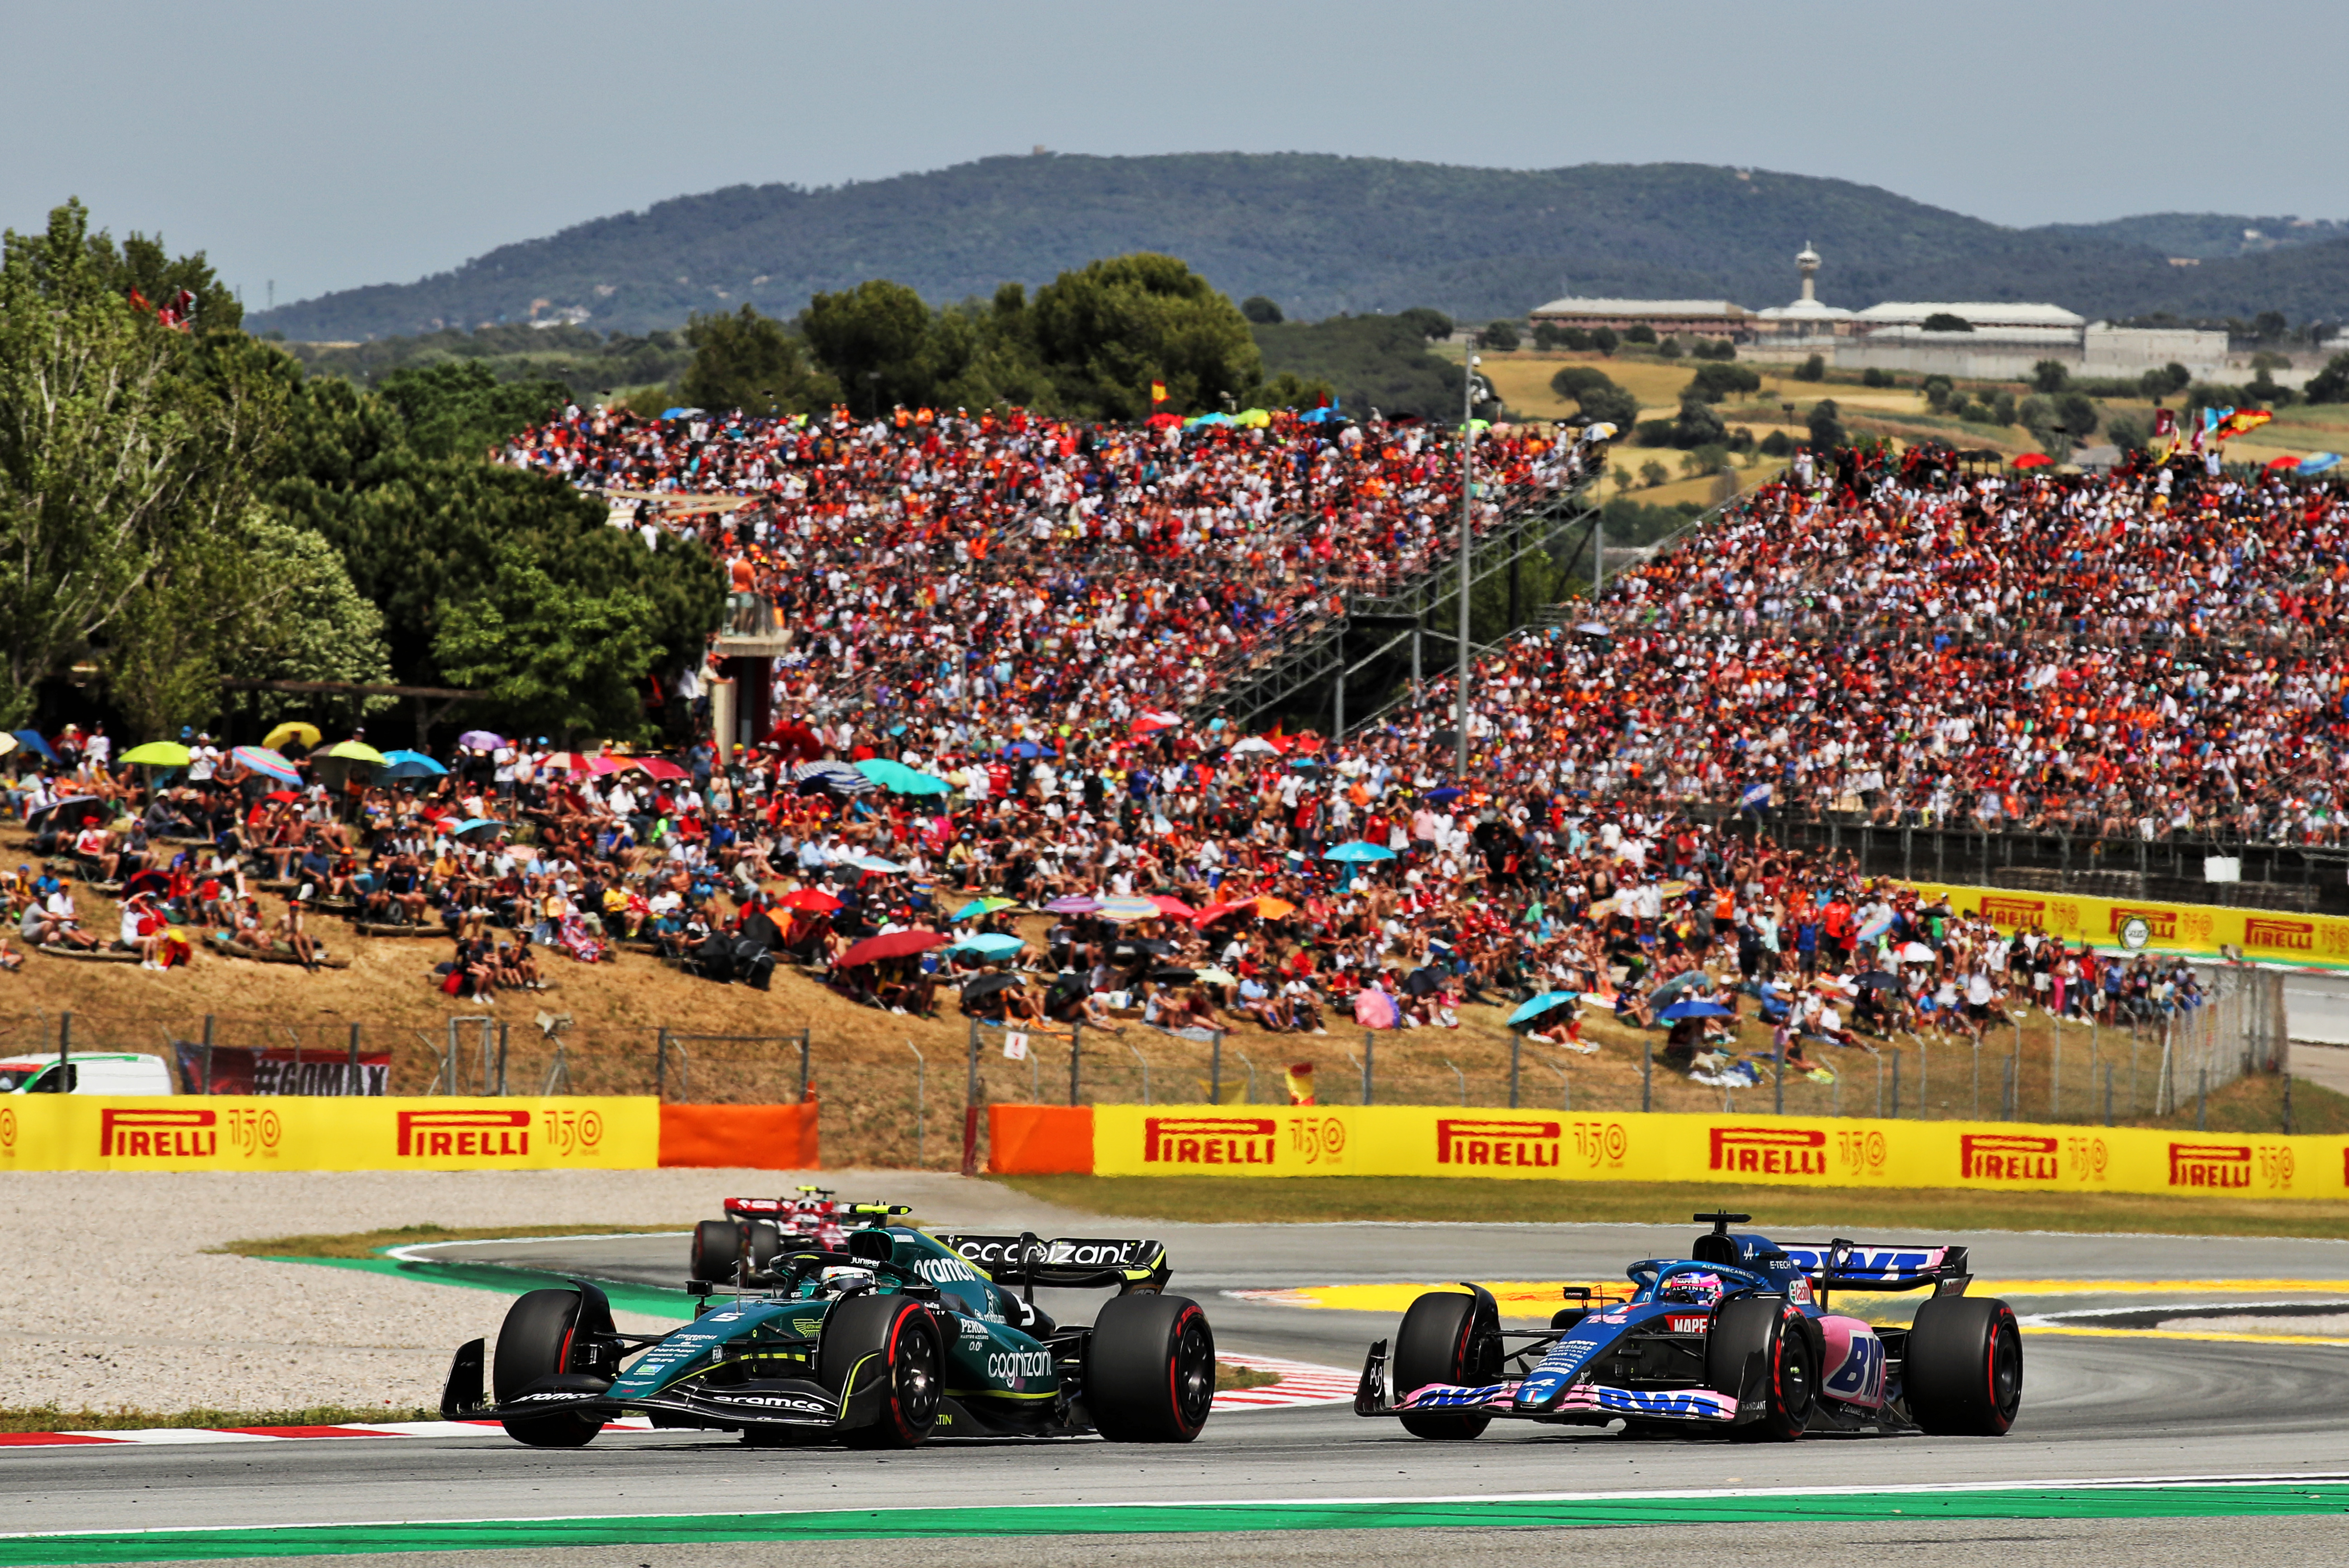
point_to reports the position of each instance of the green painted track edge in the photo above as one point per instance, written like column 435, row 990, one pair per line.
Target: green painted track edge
column 2078, row 1502
column 649, row 1300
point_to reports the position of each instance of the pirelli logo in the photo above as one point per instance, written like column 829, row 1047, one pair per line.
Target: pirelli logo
column 1208, row 1140
column 2209, row 1165
column 2006, row 1157
column 2161, row 925
column 463, row 1134
column 1497, row 1142
column 1770, row 1151
column 157, row 1134
column 2002, row 912
column 2281, row 935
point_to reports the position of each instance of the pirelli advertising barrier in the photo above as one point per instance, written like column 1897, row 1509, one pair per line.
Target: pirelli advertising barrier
column 357, row 1132
column 1431, row 1140
column 2263, row 935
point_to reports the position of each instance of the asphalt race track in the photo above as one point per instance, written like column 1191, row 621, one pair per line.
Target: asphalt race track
column 2106, row 1406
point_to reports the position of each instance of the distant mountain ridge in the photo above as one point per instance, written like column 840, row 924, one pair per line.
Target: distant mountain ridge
column 1322, row 235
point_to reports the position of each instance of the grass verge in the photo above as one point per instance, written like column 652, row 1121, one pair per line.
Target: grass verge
column 49, row 1418
column 368, row 1243
column 1238, row 1200
column 1228, row 1377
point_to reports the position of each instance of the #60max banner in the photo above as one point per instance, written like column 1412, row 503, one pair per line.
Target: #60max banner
column 1432, row 1140
column 236, row 1132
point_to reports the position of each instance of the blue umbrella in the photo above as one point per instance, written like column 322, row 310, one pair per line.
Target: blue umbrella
column 1541, row 1004
column 1023, row 749
column 474, row 824
column 410, row 765
column 31, row 741
column 2319, row 462
column 1445, row 795
column 1359, row 851
column 993, row 946
column 1698, row 1008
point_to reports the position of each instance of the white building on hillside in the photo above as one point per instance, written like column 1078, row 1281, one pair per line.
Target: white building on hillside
column 1807, row 318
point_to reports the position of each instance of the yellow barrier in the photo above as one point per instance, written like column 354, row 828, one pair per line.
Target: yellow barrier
column 1435, row 1140
column 2202, row 928
column 248, row 1132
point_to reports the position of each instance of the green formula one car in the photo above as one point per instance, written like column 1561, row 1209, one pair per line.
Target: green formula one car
column 894, row 1337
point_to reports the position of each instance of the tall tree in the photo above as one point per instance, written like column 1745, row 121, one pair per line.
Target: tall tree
column 873, row 338
column 1111, row 328
column 753, row 363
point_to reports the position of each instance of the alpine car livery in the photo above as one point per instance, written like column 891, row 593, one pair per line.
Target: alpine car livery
column 894, row 1336
column 1739, row 1338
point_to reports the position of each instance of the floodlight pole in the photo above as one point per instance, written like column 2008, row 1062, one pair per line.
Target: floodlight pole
column 1467, row 506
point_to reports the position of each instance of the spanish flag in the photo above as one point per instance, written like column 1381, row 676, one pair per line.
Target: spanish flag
column 1300, row 1082
column 2240, row 421
column 1158, row 393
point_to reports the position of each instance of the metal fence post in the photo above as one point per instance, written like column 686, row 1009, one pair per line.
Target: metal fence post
column 1647, row 1073
column 208, row 1054
column 352, row 1082
column 2108, row 1100
column 1369, row 1043
column 2054, row 1068
column 1895, row 1081
column 502, row 1059
column 921, row 1102
column 1515, row 1041
column 2202, row 1100
column 803, row 1063
column 65, row 1050
column 1076, row 1054
column 971, row 1107
column 660, row 1067
column 1216, row 1070
column 1778, row 1074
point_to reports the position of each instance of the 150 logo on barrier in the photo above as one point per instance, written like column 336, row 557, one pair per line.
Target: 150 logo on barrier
column 1601, row 1145
column 1460, row 1141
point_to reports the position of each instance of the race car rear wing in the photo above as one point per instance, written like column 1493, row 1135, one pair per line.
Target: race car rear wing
column 1843, row 1265
column 1067, row 1262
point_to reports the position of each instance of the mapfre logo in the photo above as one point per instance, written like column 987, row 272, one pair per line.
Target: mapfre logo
column 2282, row 936
column 2209, row 1165
column 2007, row 1157
column 2161, row 925
column 463, row 1134
column 156, row 1135
column 1770, row 1151
column 1497, row 1142
column 1208, row 1140
column 2014, row 912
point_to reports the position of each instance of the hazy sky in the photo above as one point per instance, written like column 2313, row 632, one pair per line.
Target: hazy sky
column 325, row 145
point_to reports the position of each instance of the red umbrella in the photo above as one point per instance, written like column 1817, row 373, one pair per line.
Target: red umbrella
column 811, row 900
column 281, row 796
column 573, row 761
column 1173, row 906
column 658, row 767
column 2282, row 463
column 2035, row 460
column 796, row 740
column 891, row 944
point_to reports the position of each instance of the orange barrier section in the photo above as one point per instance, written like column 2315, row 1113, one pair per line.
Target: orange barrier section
column 758, row 1137
column 1039, row 1140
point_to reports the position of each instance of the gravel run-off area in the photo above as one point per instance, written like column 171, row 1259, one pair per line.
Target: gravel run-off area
column 109, row 1299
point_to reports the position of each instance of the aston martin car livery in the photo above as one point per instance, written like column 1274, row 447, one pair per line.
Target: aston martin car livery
column 884, row 1342
column 1741, row 1337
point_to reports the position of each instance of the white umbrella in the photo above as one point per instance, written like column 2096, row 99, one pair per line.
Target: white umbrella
column 1917, row 952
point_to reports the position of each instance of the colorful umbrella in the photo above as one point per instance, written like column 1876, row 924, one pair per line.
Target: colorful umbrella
column 811, row 899
column 889, row 945
column 358, row 752
column 992, row 946
column 474, row 824
column 1375, row 1010
column 837, row 777
column 978, row 907
column 2319, row 461
column 1274, row 909
column 2288, row 460
column 294, row 730
column 654, row 767
column 407, row 764
column 1074, row 904
column 158, row 754
column 480, row 741
column 1129, row 908
column 262, row 760
column 1359, row 851
column 1541, row 1004
column 1168, row 905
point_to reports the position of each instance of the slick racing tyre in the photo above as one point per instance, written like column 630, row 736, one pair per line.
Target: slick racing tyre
column 1446, row 1338
column 716, row 1243
column 1150, row 1369
column 888, row 1344
column 1962, row 1373
column 535, row 1353
column 1789, row 1366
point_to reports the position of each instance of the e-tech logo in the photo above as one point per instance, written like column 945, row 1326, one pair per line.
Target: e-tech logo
column 2160, row 925
column 2002, row 911
column 1528, row 1143
column 2284, row 936
column 2003, row 1157
column 156, row 1135
column 1208, row 1140
column 463, row 1134
column 1010, row 1366
column 1770, row 1151
column 2209, row 1165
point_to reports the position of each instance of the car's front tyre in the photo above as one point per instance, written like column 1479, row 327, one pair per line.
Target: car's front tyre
column 1445, row 1338
column 1789, row 1370
column 891, row 1343
column 537, row 1349
column 1962, row 1369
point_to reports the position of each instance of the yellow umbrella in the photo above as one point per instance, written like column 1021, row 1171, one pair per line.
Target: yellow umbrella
column 158, row 754
column 8, row 742
column 292, row 730
column 355, row 752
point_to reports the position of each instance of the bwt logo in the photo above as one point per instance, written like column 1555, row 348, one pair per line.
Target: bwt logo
column 2289, row 936
column 156, row 1135
column 2209, row 1165
column 1528, row 1143
column 2005, row 1156
column 463, row 1134
column 1770, row 1151
column 2161, row 923
column 1208, row 1140
column 2014, row 911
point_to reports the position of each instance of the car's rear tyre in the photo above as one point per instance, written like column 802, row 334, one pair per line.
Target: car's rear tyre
column 716, row 1244
column 1150, row 1369
column 1962, row 1370
column 889, row 1344
column 1445, row 1338
column 536, row 1345
column 1790, row 1371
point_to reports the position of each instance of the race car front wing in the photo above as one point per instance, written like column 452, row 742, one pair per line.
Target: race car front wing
column 777, row 1401
column 1582, row 1403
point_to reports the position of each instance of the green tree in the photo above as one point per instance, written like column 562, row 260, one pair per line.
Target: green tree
column 125, row 445
column 1261, row 311
column 2329, row 385
column 1110, row 328
column 1777, row 444
column 1937, row 392
column 1429, row 324
column 1698, row 425
column 1653, row 474
column 753, row 363
column 2077, row 416
column 2001, row 408
column 1715, row 383
column 1825, row 423
column 1669, row 347
column 2129, row 433
column 1603, row 338
column 549, row 652
column 1814, row 368
column 1548, row 335
column 2048, row 377
column 1945, row 321
column 459, row 406
column 1498, row 336
column 872, row 338
column 1639, row 332
column 1287, row 389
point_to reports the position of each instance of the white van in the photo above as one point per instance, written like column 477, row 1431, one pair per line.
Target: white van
column 86, row 1073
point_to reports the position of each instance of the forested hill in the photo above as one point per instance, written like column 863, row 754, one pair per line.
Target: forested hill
column 1320, row 234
